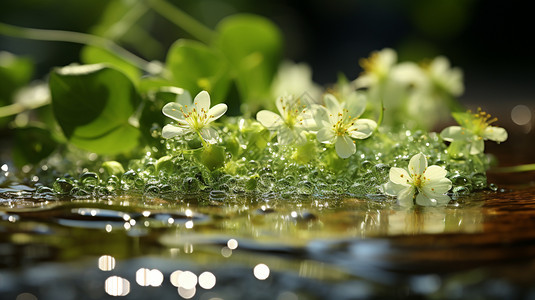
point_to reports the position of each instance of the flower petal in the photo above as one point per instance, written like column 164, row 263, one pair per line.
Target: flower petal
column 184, row 98
column 400, row 176
column 434, row 172
column 174, row 111
column 202, row 101
column 309, row 124
column 443, row 199
column 417, row 164
column 325, row 135
column 437, row 186
column 494, row 133
column 210, row 135
column 433, row 199
column 423, row 200
column 355, row 104
column 393, row 189
column 332, row 104
column 169, row 131
column 406, row 197
column 363, row 128
column 287, row 136
column 269, row 119
column 216, row 112
column 321, row 116
column 477, row 146
column 455, row 133
column 281, row 105
column 345, row 146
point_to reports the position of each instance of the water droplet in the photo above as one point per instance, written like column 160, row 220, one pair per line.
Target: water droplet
column 89, row 178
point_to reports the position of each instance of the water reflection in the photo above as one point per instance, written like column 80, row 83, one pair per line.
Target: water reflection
column 26, row 296
column 106, row 263
column 117, row 286
column 187, row 293
column 435, row 220
column 261, row 271
column 146, row 277
column 248, row 245
column 207, row 280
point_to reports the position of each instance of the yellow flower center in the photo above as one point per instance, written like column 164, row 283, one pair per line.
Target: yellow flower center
column 372, row 65
column 481, row 121
column 292, row 112
column 195, row 119
column 344, row 123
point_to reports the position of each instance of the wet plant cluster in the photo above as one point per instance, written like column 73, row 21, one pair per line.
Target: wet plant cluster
column 269, row 170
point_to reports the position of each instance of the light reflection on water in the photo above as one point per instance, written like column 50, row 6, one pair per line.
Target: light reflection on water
column 251, row 246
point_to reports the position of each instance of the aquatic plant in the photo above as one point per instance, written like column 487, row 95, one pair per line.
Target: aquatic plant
column 100, row 129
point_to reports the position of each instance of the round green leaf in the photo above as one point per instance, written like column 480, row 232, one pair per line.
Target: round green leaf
column 196, row 67
column 32, row 144
column 93, row 105
column 253, row 45
column 94, row 55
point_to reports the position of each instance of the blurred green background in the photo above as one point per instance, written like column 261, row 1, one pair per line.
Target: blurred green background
column 488, row 39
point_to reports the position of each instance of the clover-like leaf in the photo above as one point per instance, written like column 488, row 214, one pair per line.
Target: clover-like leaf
column 93, row 105
column 196, row 67
column 253, row 46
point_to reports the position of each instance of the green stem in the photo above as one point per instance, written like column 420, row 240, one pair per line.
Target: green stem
column 183, row 20
column 381, row 115
column 17, row 108
column 204, row 143
column 515, row 169
column 75, row 37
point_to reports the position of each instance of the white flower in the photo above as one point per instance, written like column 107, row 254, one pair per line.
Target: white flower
column 340, row 124
column 474, row 129
column 444, row 77
column 429, row 184
column 295, row 79
column 291, row 124
column 193, row 117
column 376, row 67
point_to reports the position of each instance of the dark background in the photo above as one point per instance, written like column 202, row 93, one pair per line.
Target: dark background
column 489, row 39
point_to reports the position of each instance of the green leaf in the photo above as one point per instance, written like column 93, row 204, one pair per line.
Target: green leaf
column 152, row 118
column 112, row 167
column 195, row 67
column 15, row 72
column 94, row 55
column 93, row 105
column 253, row 46
column 32, row 144
column 212, row 156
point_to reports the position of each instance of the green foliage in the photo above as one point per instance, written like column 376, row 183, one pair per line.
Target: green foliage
column 32, row 144
column 196, row 67
column 94, row 55
column 253, row 46
column 15, row 72
column 94, row 104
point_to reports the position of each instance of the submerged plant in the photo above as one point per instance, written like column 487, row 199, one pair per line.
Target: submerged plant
column 422, row 185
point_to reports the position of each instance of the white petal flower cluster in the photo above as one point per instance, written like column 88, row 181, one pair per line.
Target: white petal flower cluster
column 336, row 123
column 410, row 89
column 193, row 116
column 425, row 185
